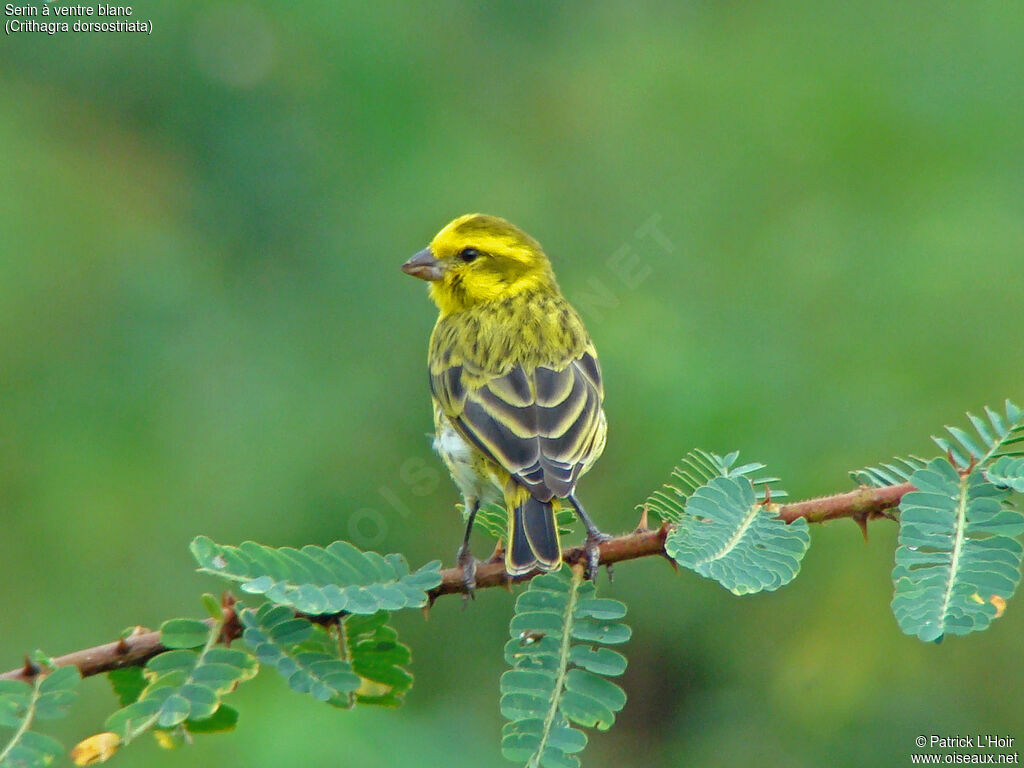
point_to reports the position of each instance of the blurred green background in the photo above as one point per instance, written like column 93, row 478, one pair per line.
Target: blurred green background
column 794, row 229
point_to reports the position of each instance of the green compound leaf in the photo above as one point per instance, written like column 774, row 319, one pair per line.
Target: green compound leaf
column 128, row 683
column 698, row 468
column 885, row 475
column 379, row 660
column 48, row 697
column 726, row 534
column 224, row 719
column 368, row 667
column 1007, row 472
column 317, row 580
column 558, row 674
column 183, row 686
column 958, row 561
column 1001, row 435
column 492, row 519
column 302, row 652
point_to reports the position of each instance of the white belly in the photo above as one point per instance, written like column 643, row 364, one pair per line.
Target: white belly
column 466, row 464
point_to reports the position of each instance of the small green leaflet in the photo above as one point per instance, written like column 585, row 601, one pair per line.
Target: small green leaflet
column 183, row 633
column 890, row 473
column 1007, row 472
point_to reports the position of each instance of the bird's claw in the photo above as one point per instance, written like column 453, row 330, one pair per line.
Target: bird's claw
column 592, row 549
column 468, row 564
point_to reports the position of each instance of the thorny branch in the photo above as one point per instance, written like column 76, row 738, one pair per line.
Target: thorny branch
column 861, row 505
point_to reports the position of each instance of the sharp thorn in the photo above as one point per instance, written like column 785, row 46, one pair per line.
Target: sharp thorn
column 644, row 524
column 31, row 669
column 499, row 552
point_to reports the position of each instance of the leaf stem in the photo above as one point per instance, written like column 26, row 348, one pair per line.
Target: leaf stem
column 958, row 544
column 27, row 720
column 563, row 663
column 343, row 653
column 728, row 546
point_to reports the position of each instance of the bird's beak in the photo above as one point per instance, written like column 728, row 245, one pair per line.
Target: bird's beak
column 424, row 266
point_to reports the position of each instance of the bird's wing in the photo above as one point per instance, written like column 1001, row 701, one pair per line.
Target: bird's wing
column 544, row 425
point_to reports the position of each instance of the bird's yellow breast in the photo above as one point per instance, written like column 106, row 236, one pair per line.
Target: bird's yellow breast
column 530, row 329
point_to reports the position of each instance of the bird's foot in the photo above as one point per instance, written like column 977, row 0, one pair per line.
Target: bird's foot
column 592, row 549
column 468, row 564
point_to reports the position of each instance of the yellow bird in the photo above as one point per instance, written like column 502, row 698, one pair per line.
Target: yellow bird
column 516, row 386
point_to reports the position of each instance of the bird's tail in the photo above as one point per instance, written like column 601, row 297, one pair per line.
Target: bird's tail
column 532, row 535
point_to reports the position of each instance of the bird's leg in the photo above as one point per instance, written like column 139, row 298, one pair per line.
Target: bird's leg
column 464, row 557
column 594, row 538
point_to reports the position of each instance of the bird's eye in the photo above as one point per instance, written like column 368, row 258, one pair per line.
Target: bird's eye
column 469, row 254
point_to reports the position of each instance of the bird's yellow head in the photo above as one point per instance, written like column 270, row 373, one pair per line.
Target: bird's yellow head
column 479, row 258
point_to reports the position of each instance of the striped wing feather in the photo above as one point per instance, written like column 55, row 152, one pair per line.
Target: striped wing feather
column 542, row 426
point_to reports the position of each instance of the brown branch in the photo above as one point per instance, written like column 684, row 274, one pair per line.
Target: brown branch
column 640, row 543
column 861, row 505
column 134, row 650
